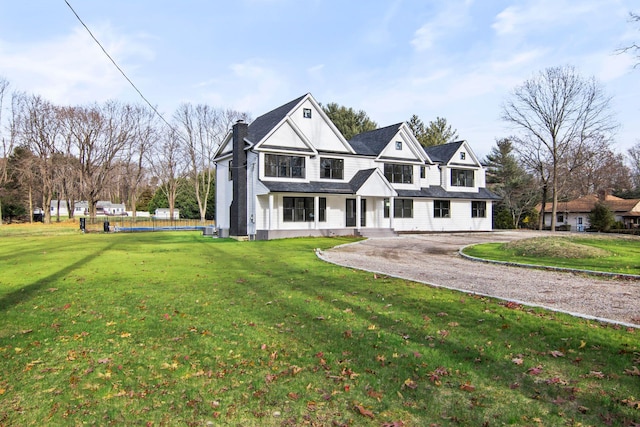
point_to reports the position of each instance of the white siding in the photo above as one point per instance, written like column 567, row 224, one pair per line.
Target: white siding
column 316, row 129
column 224, row 194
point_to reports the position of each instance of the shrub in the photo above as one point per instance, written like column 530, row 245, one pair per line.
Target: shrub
column 601, row 218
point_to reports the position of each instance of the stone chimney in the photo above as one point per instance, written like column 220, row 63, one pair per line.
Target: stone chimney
column 238, row 214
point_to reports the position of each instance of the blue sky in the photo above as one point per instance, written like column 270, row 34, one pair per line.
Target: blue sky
column 456, row 59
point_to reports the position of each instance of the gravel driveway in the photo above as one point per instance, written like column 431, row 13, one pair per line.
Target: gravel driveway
column 433, row 259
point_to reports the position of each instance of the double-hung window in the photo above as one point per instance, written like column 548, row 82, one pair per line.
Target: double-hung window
column 462, row 177
column 441, row 209
column 478, row 209
column 398, row 174
column 331, row 168
column 297, row 209
column 403, row 208
column 280, row 166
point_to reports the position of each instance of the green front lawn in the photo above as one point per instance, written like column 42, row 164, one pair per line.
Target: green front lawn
column 598, row 253
column 179, row 329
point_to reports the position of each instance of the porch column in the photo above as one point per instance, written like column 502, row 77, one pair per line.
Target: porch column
column 358, row 212
column 316, row 211
column 392, row 201
column 270, row 226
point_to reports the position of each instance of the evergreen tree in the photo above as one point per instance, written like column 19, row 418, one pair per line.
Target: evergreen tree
column 419, row 130
column 437, row 133
column 507, row 178
column 601, row 218
column 348, row 121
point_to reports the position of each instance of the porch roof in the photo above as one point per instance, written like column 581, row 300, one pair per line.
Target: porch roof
column 437, row 192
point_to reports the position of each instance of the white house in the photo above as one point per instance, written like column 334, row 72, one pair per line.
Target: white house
column 165, row 213
column 81, row 208
column 292, row 173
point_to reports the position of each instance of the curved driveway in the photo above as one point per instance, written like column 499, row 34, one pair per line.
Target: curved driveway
column 433, row 259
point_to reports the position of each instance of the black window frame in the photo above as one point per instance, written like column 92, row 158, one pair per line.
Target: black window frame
column 387, row 206
column 297, row 209
column 306, row 113
column 322, row 209
column 462, row 177
column 397, row 173
column 403, row 208
column 284, row 166
column 442, row 208
column 478, row 209
column 335, row 169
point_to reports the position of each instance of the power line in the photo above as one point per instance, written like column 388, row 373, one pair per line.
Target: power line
column 117, row 66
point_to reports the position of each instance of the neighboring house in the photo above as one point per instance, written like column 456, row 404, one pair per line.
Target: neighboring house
column 574, row 214
column 82, row 208
column 292, row 173
column 164, row 213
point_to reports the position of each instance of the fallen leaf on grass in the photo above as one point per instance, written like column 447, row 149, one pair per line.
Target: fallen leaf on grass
column 535, row 371
column 364, row 412
column 517, row 360
column 410, row 384
column 556, row 353
column 467, row 387
column 632, row 403
column 394, row 424
column 635, row 372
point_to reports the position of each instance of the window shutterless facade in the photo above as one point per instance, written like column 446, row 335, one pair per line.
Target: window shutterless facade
column 478, row 209
column 297, row 209
column 441, row 209
column 462, row 177
column 398, row 174
column 280, row 166
column 331, row 168
column 403, row 208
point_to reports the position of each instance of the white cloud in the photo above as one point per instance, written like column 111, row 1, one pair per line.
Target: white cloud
column 454, row 15
column 72, row 69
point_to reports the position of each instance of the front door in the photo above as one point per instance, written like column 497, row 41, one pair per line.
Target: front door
column 351, row 212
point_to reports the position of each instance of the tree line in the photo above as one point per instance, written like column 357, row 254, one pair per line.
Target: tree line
column 113, row 151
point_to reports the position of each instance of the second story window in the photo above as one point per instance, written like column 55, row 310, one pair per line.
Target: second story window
column 331, row 168
column 461, row 177
column 279, row 166
column 306, row 113
column 398, row 174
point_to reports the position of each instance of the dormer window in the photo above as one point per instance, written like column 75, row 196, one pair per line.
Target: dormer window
column 306, row 113
column 398, row 145
column 462, row 177
column 463, row 155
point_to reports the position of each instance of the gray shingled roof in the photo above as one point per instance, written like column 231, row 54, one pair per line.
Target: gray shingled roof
column 261, row 126
column 437, row 192
column 372, row 143
column 328, row 186
column 443, row 153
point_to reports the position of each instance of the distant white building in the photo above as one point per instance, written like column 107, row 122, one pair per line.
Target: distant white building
column 81, row 208
column 163, row 213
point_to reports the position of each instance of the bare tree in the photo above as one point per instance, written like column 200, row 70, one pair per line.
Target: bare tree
column 134, row 165
column 6, row 144
column 38, row 128
column 202, row 129
column 558, row 112
column 168, row 165
column 634, row 161
column 99, row 135
column 594, row 170
column 633, row 48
